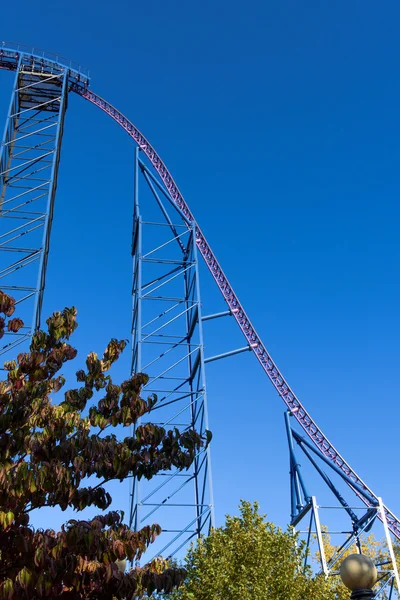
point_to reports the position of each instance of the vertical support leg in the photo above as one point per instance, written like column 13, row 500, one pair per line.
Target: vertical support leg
column 207, row 484
column 299, row 496
column 44, row 250
column 168, row 346
column 319, row 536
column 8, row 141
column 29, row 161
column 196, row 365
column 136, row 367
column 389, row 543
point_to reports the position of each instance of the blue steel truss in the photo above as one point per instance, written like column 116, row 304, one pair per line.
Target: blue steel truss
column 167, row 321
column 168, row 345
column 353, row 521
column 29, row 160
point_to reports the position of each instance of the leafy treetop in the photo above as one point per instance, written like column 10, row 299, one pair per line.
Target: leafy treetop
column 48, row 455
column 247, row 559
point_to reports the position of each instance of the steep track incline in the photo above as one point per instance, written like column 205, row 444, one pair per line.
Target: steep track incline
column 9, row 59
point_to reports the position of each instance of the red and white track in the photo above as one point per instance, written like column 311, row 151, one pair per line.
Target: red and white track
column 260, row 351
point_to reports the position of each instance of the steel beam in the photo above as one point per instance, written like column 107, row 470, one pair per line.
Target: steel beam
column 29, row 162
column 301, row 504
column 167, row 344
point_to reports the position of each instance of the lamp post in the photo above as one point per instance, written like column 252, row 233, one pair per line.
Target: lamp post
column 359, row 574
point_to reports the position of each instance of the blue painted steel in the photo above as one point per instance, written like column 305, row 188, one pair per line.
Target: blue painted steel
column 44, row 253
column 7, row 135
column 165, row 193
column 227, row 354
column 136, row 331
column 208, row 472
column 302, row 441
column 29, row 161
column 43, row 64
column 225, row 313
column 168, row 346
column 163, row 210
column 331, row 486
column 47, row 62
column 299, row 495
column 79, row 84
column 301, row 505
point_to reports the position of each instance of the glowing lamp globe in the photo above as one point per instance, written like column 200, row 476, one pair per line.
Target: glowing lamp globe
column 358, row 572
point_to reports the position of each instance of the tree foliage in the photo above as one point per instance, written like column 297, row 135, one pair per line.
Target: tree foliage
column 375, row 549
column 49, row 453
column 247, row 559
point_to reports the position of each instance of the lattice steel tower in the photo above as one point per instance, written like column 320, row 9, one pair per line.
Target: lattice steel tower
column 168, row 344
column 166, row 312
column 29, row 158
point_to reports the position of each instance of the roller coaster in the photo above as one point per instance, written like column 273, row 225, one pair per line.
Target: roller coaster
column 167, row 319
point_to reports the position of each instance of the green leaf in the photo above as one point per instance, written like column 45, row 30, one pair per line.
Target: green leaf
column 7, row 590
column 25, row 579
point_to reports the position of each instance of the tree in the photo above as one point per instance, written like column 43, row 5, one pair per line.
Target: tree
column 375, row 549
column 48, row 454
column 249, row 559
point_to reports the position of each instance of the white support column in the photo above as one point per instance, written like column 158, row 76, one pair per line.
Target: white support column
column 389, row 543
column 319, row 536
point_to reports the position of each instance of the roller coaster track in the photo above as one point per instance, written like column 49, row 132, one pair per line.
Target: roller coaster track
column 9, row 60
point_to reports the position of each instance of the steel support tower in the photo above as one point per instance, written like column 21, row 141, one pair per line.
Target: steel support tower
column 166, row 313
column 167, row 338
column 317, row 523
column 29, row 160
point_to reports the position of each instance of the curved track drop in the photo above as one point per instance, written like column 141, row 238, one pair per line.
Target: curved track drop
column 78, row 82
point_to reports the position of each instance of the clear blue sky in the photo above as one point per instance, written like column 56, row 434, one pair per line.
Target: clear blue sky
column 280, row 123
